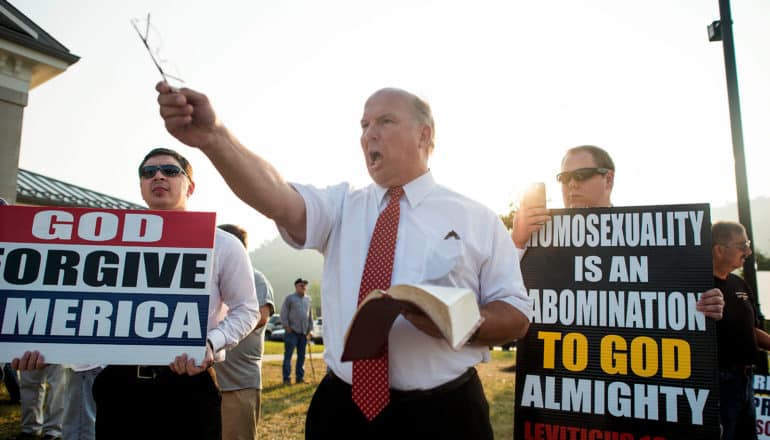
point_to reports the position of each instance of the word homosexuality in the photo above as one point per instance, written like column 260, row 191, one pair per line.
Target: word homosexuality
column 621, row 229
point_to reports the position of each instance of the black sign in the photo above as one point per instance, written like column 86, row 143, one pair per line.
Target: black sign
column 616, row 349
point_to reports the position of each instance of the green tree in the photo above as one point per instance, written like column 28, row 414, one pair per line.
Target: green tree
column 508, row 218
column 314, row 290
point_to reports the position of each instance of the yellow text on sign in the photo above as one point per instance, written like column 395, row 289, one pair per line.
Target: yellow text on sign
column 645, row 357
column 574, row 350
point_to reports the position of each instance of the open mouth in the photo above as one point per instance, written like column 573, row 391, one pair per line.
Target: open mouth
column 374, row 157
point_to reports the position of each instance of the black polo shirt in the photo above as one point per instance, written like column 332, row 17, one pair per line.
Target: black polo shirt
column 737, row 342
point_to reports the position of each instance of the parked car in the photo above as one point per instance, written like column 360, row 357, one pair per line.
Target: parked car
column 273, row 324
column 318, row 330
column 278, row 334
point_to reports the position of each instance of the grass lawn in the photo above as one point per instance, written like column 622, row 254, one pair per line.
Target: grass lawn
column 284, row 407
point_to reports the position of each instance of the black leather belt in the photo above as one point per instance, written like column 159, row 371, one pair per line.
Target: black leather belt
column 418, row 394
column 151, row 371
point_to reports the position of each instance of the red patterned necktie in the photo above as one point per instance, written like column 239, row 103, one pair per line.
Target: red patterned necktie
column 371, row 389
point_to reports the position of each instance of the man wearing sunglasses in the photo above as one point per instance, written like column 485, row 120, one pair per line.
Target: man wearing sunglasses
column 181, row 400
column 587, row 176
column 739, row 332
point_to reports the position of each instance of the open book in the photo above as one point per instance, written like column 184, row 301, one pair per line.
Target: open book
column 454, row 311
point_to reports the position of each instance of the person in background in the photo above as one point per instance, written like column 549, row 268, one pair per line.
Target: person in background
column 10, row 377
column 298, row 325
column 404, row 228
column 587, row 177
column 739, row 333
column 80, row 407
column 240, row 375
column 41, row 394
column 42, row 402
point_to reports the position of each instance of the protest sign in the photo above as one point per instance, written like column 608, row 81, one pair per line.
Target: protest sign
column 104, row 286
column 616, row 349
column 762, row 405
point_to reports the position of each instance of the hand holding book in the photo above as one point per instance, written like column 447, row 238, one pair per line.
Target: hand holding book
column 450, row 313
column 422, row 321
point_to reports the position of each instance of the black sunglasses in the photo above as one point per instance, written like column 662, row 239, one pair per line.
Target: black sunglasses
column 168, row 170
column 580, row 174
column 744, row 245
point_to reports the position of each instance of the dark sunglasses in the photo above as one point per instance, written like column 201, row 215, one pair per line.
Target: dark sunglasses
column 149, row 171
column 745, row 245
column 580, row 174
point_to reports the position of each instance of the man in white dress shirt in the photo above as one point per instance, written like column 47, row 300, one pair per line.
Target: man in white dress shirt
column 443, row 238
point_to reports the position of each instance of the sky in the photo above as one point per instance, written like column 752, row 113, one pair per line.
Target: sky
column 512, row 84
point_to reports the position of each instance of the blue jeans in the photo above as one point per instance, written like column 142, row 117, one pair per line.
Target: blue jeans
column 80, row 410
column 290, row 342
column 42, row 400
column 736, row 405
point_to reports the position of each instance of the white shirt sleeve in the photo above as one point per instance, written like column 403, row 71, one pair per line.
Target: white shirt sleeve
column 235, row 288
column 521, row 252
column 323, row 208
column 500, row 277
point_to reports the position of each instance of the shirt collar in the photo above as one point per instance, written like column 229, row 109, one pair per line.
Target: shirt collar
column 414, row 191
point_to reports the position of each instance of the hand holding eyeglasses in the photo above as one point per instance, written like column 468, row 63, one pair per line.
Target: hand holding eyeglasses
column 154, row 45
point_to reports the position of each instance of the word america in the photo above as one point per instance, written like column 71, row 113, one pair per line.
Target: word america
column 100, row 318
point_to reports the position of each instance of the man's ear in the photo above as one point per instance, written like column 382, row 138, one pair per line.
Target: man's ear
column 190, row 188
column 425, row 136
column 610, row 179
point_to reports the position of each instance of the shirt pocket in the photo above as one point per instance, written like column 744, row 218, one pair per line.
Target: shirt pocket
column 448, row 262
column 441, row 259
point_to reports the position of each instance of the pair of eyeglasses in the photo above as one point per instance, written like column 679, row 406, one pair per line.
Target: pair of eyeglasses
column 149, row 171
column 580, row 174
column 744, row 245
column 154, row 45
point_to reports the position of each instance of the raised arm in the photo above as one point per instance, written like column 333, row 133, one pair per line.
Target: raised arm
column 527, row 221
column 189, row 117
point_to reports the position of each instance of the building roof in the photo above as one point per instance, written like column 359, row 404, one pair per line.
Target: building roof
column 37, row 189
column 17, row 28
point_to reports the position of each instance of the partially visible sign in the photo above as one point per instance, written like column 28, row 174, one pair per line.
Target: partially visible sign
column 616, row 348
column 762, row 405
column 104, row 286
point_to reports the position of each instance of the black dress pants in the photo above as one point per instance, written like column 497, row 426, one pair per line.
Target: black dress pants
column 155, row 403
column 456, row 410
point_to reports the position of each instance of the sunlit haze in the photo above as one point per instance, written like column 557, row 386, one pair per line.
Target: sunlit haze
column 512, row 85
